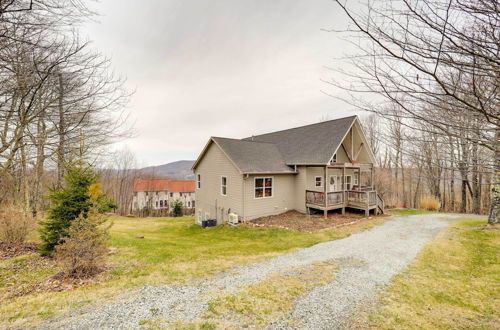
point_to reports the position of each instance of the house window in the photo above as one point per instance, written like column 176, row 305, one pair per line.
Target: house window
column 171, row 194
column 263, row 187
column 334, row 158
column 355, row 179
column 318, row 181
column 223, row 186
column 189, row 204
column 198, row 181
column 180, row 194
column 347, row 182
column 161, row 203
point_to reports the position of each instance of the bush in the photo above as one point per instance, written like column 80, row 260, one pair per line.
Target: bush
column 177, row 211
column 68, row 204
column 15, row 225
column 430, row 203
column 84, row 250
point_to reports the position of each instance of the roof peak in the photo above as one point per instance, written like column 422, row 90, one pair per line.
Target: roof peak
column 297, row 127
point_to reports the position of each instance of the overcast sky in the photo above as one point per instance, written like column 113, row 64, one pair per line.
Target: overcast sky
column 219, row 68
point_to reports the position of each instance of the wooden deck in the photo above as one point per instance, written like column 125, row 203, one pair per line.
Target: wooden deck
column 361, row 200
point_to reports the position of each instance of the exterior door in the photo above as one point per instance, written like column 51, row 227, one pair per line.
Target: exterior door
column 335, row 183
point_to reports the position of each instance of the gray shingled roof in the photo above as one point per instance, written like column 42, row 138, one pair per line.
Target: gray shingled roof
column 277, row 152
column 253, row 157
column 311, row 144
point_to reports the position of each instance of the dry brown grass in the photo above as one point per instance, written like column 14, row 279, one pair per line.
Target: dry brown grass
column 430, row 204
column 15, row 225
column 255, row 306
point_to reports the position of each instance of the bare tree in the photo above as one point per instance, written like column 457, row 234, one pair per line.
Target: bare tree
column 436, row 61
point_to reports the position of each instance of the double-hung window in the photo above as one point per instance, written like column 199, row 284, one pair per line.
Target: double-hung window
column 319, row 181
column 263, row 187
column 223, row 186
column 198, row 181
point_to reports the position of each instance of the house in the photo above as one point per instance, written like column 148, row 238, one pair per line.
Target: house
column 323, row 166
column 161, row 194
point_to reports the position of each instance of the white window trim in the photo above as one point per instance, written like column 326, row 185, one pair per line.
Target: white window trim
column 221, row 185
column 320, row 181
column 264, row 187
column 345, row 182
column 198, row 181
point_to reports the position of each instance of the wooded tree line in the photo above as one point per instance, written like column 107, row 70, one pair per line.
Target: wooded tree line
column 415, row 165
column 434, row 68
column 59, row 100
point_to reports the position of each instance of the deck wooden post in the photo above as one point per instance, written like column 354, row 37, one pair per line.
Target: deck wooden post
column 367, row 210
column 371, row 178
column 326, row 194
column 343, row 190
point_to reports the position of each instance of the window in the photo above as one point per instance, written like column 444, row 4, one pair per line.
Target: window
column 347, row 182
column 189, row 204
column 355, row 180
column 319, row 181
column 263, row 187
column 334, row 158
column 223, row 186
column 198, row 181
column 171, row 194
column 161, row 203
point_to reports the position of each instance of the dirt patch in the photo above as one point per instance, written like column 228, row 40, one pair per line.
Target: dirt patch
column 293, row 220
column 7, row 252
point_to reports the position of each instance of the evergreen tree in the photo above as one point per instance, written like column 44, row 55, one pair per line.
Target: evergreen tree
column 68, row 204
column 178, row 209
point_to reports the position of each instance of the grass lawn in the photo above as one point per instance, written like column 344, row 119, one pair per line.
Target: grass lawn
column 454, row 283
column 404, row 212
column 173, row 250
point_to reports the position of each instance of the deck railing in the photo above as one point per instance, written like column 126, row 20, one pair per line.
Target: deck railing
column 341, row 197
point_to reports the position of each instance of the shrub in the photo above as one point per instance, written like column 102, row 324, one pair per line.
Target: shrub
column 430, row 203
column 15, row 225
column 69, row 203
column 178, row 209
column 84, row 250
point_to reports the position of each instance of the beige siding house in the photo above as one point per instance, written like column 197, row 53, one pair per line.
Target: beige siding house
column 324, row 166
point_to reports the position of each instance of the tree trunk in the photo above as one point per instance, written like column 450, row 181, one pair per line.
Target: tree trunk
column 62, row 135
column 494, row 215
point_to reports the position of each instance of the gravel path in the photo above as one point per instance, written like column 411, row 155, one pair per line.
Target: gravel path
column 378, row 255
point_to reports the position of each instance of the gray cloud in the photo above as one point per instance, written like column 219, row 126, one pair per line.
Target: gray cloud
column 223, row 68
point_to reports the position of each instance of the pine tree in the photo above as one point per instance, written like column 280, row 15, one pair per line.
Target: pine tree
column 68, row 204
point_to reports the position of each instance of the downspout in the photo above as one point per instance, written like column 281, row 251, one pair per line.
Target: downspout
column 245, row 177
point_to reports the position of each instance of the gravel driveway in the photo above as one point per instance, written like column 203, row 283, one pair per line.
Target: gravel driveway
column 381, row 253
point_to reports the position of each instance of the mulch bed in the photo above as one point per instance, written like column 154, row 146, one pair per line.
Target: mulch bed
column 293, row 220
column 7, row 252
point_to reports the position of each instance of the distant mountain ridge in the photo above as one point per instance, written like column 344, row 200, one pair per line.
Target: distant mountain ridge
column 180, row 170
